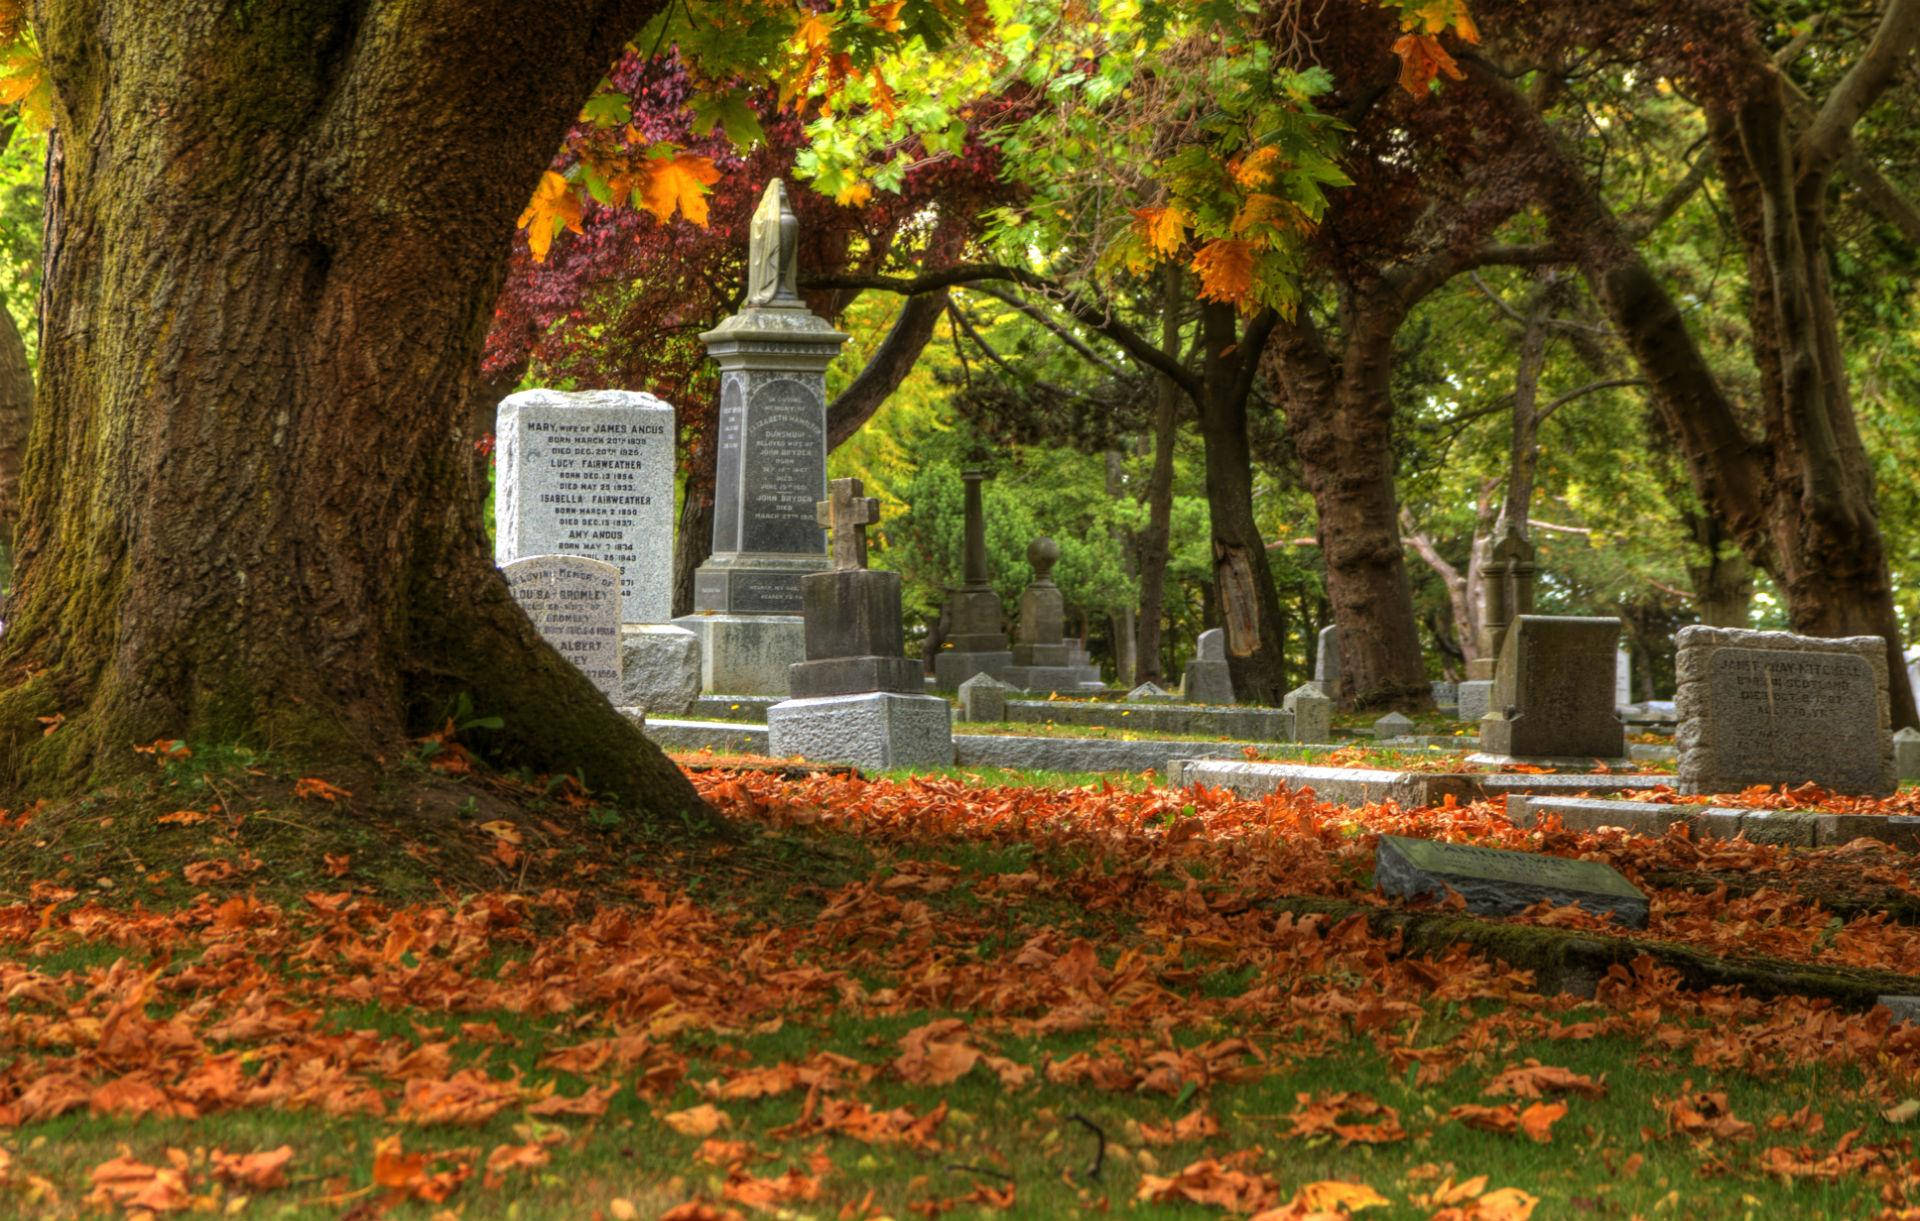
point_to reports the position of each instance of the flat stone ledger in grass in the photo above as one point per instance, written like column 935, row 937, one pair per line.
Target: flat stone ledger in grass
column 1775, row 708
column 1553, row 691
column 1498, row 882
column 590, row 474
column 574, row 603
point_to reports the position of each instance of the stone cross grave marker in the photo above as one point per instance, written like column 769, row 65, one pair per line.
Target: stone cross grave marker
column 574, row 603
column 1775, row 708
column 847, row 514
column 1499, row 882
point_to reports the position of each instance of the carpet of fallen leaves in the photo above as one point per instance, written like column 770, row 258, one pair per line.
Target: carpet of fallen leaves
column 551, row 1011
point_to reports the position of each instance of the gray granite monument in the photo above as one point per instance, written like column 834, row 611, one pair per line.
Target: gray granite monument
column 857, row 698
column 771, row 468
column 976, row 640
column 1774, row 708
column 1207, row 678
column 1392, row 725
column 1500, row 882
column 1553, row 691
column 984, row 698
column 574, row 603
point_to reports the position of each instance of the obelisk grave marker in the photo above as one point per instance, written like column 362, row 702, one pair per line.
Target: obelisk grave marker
column 771, row 468
column 590, row 474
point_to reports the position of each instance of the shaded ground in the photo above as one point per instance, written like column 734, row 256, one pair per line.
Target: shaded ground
column 902, row 998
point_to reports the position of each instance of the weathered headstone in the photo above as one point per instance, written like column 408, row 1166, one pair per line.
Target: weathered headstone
column 771, row 468
column 857, row 698
column 1326, row 660
column 1312, row 713
column 1499, row 882
column 1623, row 679
column 1906, row 754
column 1445, row 694
column 590, row 474
column 574, row 603
column 1553, row 691
column 984, row 698
column 1474, row 696
column 1208, row 678
column 976, row 639
column 1392, row 725
column 1150, row 693
column 1042, row 660
column 1775, row 708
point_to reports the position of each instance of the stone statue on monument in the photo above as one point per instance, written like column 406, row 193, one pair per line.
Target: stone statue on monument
column 772, row 265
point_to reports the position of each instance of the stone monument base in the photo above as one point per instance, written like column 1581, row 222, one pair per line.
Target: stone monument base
column 746, row 654
column 1554, row 763
column 659, row 667
column 1063, row 679
column 750, row 583
column 951, row 667
column 1206, row 682
column 877, row 731
column 854, row 676
column 1475, row 696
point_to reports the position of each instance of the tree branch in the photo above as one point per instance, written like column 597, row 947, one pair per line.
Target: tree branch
column 1040, row 316
column 1610, row 383
column 1088, row 314
column 1822, row 143
column 888, row 367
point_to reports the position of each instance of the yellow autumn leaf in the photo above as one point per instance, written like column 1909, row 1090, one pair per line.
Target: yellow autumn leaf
column 1329, row 1194
column 553, row 200
column 853, row 196
column 681, row 183
column 1225, row 268
column 1164, row 229
column 1256, row 169
column 1261, row 209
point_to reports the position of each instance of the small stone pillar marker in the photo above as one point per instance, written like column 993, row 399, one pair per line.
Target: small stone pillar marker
column 976, row 641
column 1042, row 659
column 771, row 469
column 857, row 697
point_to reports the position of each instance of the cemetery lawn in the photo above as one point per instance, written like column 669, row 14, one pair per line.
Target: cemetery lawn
column 911, row 996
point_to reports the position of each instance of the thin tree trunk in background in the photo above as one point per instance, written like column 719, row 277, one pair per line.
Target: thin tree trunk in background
column 1249, row 606
column 693, row 535
column 1523, row 455
column 1126, row 659
column 1156, row 541
column 247, row 509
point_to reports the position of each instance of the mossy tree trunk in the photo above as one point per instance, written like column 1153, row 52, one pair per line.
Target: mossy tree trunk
column 248, row 510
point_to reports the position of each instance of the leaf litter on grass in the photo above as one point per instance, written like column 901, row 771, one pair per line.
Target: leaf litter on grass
column 1075, row 974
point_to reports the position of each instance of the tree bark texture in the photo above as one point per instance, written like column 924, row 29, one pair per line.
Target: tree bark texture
column 249, row 510
column 1339, row 412
column 1799, row 498
column 16, row 414
column 1249, row 605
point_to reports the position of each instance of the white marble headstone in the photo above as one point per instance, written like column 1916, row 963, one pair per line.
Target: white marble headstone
column 590, row 474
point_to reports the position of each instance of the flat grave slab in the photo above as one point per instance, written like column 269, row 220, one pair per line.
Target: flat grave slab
column 1355, row 786
column 1788, row 828
column 1499, row 882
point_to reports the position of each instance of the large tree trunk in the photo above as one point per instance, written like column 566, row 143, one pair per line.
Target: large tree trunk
column 16, row 414
column 1249, row 605
column 1799, row 501
column 249, row 512
column 1340, row 418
